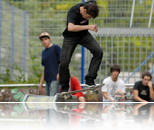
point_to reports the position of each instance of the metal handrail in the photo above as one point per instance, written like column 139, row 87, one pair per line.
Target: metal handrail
column 20, row 85
column 13, row 119
column 37, row 85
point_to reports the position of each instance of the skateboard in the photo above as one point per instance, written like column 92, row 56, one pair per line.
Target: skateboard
column 90, row 116
column 128, row 95
column 92, row 90
column 118, row 97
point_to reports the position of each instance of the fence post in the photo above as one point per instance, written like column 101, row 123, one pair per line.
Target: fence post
column 150, row 18
column 82, row 64
column 132, row 14
column 12, row 41
column 82, row 69
column 0, row 31
column 24, row 43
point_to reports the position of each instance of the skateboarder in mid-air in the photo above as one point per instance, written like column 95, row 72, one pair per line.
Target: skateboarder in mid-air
column 77, row 33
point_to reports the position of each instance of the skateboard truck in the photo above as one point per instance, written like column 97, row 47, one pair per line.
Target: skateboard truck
column 93, row 91
column 65, row 106
column 67, row 96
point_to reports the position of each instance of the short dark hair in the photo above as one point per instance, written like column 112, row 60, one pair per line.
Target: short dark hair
column 92, row 9
column 115, row 67
column 146, row 73
column 142, row 128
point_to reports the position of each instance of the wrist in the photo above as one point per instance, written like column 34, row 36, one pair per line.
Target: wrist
column 110, row 99
column 88, row 27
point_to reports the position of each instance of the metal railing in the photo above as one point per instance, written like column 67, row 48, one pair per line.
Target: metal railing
column 37, row 85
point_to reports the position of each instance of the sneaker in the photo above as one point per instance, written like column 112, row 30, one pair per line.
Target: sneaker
column 65, row 88
column 90, row 82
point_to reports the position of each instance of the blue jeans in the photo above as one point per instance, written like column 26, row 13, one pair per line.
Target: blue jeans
column 69, row 45
column 52, row 88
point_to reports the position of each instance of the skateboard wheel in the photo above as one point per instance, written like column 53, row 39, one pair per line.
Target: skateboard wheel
column 65, row 97
column 96, row 92
column 91, row 92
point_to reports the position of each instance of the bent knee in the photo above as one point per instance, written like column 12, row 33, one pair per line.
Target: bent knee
column 100, row 52
column 64, row 64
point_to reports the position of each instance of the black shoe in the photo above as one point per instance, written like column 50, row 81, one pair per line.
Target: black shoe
column 90, row 82
column 65, row 88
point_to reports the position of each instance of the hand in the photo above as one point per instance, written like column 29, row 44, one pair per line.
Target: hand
column 150, row 84
column 111, row 100
column 58, row 77
column 80, row 104
column 41, row 87
column 144, row 101
column 123, row 100
column 93, row 28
